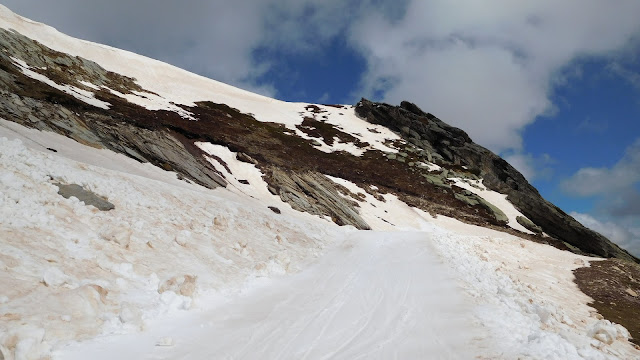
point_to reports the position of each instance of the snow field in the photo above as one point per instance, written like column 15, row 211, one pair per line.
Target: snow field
column 73, row 272
column 170, row 246
column 526, row 295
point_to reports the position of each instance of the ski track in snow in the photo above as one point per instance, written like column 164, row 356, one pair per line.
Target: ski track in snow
column 374, row 296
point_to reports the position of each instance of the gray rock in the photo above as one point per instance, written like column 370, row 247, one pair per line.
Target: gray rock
column 246, row 158
column 528, row 224
column 436, row 180
column 467, row 199
column 497, row 213
column 86, row 196
column 314, row 193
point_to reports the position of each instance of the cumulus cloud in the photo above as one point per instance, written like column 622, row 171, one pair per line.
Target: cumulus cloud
column 618, row 198
column 620, row 178
column 487, row 67
column 625, row 235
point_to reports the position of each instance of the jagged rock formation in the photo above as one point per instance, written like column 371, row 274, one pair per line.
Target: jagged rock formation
column 450, row 145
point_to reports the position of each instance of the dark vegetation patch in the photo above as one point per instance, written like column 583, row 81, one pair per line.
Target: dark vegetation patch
column 328, row 132
column 614, row 286
column 314, row 109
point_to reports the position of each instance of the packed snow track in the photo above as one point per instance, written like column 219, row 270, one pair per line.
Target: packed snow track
column 375, row 295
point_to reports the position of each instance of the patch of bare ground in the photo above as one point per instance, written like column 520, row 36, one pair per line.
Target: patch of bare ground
column 614, row 286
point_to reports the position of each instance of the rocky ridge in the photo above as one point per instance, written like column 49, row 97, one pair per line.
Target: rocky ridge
column 294, row 168
column 450, row 146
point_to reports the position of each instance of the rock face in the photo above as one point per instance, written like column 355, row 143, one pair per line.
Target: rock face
column 314, row 193
column 451, row 145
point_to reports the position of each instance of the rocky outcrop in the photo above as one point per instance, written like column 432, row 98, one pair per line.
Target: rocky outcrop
column 89, row 198
column 450, row 146
column 314, row 193
column 36, row 105
column 528, row 224
column 472, row 199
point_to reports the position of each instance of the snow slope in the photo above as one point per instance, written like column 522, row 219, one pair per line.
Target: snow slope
column 174, row 253
column 167, row 86
column 67, row 278
column 71, row 271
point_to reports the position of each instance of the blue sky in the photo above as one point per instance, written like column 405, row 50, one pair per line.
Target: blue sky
column 553, row 86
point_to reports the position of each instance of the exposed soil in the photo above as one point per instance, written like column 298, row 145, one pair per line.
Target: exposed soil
column 614, row 286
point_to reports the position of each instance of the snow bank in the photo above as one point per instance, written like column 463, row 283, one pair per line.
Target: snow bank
column 526, row 296
column 73, row 272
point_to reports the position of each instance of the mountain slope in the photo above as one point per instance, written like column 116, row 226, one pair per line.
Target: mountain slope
column 105, row 109
column 245, row 186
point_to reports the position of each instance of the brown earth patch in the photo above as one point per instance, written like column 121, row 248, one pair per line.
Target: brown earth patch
column 612, row 284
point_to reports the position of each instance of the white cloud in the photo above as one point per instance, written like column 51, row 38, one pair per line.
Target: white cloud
column 618, row 198
column 487, row 67
column 621, row 177
column 623, row 234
